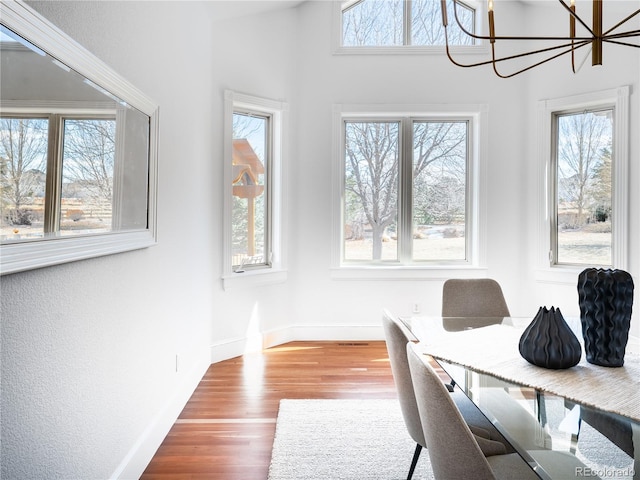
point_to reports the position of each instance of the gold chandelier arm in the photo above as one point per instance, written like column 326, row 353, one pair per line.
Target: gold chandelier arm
column 499, row 37
column 553, row 57
column 622, row 22
column 626, row 44
column 569, row 47
column 632, row 33
column 576, row 16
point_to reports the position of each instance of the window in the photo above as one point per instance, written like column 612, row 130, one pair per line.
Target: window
column 387, row 23
column 582, row 168
column 56, row 173
column 586, row 168
column 409, row 192
column 254, row 191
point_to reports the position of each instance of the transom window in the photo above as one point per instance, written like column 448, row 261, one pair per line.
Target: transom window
column 406, row 190
column 386, row 23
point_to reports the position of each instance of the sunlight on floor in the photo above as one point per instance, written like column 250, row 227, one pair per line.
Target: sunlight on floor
column 291, row 349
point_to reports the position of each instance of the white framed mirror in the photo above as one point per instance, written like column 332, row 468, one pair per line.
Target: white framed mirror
column 78, row 150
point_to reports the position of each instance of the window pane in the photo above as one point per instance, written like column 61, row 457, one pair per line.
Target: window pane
column 87, row 175
column 371, row 190
column 583, row 186
column 439, row 190
column 373, row 23
column 427, row 28
column 249, row 223
column 23, row 154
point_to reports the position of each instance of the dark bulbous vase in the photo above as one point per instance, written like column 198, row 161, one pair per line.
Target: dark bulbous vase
column 606, row 298
column 549, row 342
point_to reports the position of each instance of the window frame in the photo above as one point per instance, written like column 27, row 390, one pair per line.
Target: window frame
column 39, row 253
column 618, row 100
column 481, row 47
column 477, row 143
column 269, row 118
column 273, row 270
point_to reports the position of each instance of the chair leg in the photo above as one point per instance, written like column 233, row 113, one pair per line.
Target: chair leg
column 414, row 462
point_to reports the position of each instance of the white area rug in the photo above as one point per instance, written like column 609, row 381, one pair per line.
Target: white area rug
column 343, row 439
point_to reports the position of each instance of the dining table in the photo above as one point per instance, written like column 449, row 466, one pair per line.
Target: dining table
column 577, row 422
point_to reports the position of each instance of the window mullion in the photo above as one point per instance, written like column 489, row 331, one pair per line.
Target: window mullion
column 53, row 189
column 405, row 192
column 406, row 31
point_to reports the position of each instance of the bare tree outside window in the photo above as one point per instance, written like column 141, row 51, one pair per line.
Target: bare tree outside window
column 427, row 28
column 373, row 162
column 373, row 22
column 23, row 153
column 371, row 188
column 439, row 190
column 383, row 23
column 583, row 184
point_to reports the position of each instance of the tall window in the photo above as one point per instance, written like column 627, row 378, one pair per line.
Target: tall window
column 253, row 190
column 56, row 175
column 251, row 166
column 403, row 22
column 406, row 190
column 583, row 160
column 584, row 208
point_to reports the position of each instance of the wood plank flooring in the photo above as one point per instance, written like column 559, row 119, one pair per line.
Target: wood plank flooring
column 226, row 429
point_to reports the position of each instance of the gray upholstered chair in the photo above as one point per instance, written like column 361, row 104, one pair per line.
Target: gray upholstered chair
column 452, row 447
column 397, row 336
column 473, row 297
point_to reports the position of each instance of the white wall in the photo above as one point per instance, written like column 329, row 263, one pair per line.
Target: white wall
column 89, row 386
column 512, row 202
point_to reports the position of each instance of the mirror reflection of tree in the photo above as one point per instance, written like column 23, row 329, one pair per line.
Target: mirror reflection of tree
column 87, row 173
column 23, row 153
column 88, row 156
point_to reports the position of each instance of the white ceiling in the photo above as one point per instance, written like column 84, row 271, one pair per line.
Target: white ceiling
column 226, row 9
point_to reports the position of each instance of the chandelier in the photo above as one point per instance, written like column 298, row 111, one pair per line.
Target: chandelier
column 562, row 45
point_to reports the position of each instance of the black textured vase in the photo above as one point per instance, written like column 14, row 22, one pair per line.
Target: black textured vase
column 606, row 298
column 549, row 342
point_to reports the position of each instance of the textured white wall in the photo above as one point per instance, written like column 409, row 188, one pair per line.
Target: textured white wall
column 88, row 348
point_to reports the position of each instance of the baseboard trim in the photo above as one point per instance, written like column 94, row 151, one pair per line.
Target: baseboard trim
column 271, row 338
column 145, row 447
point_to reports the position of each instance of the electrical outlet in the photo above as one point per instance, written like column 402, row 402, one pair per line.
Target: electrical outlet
column 416, row 308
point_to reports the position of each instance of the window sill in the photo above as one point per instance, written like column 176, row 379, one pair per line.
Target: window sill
column 406, row 272
column 256, row 278
column 412, row 50
column 559, row 275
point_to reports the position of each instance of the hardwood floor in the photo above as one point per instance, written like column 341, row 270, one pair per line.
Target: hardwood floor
column 226, row 429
